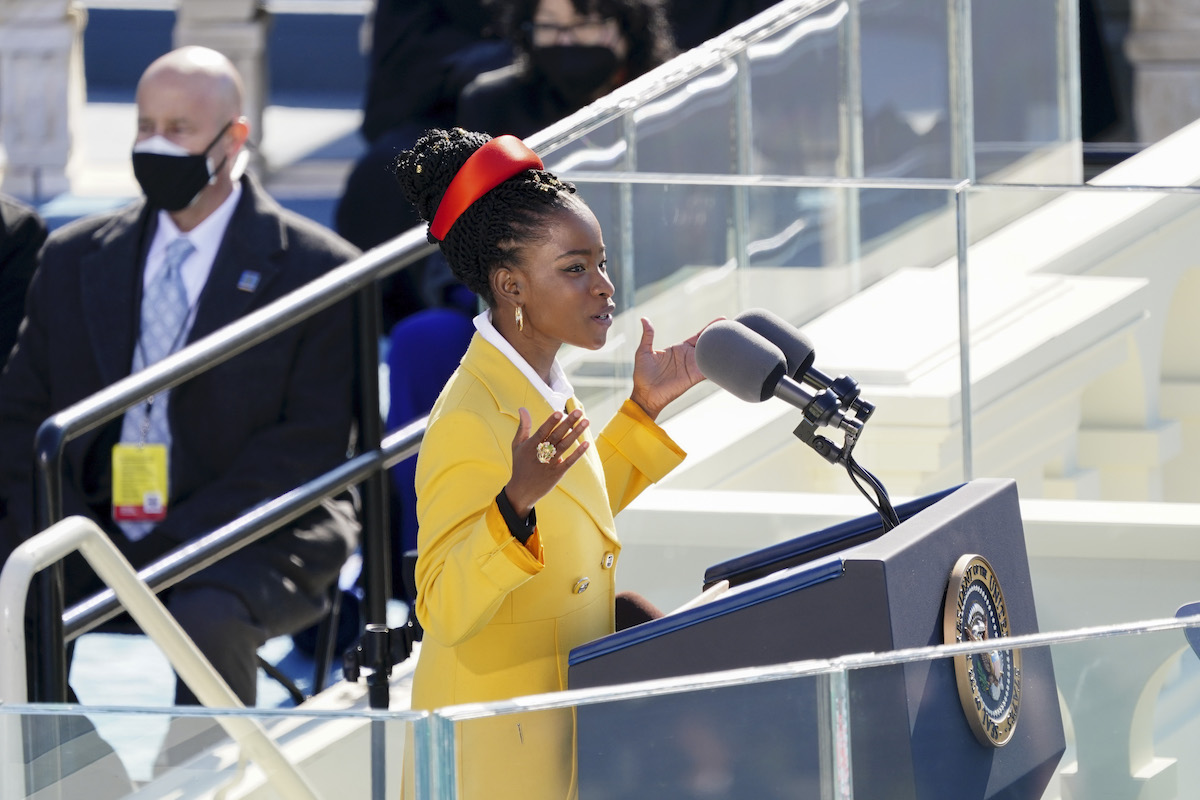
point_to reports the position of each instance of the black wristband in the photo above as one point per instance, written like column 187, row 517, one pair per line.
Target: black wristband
column 521, row 529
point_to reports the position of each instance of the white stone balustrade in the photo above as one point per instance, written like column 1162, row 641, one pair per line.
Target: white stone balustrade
column 238, row 29
column 43, row 88
column 41, row 93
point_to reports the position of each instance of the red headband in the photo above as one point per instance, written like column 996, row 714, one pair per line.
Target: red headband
column 487, row 168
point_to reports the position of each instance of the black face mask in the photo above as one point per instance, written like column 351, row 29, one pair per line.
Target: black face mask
column 171, row 177
column 576, row 72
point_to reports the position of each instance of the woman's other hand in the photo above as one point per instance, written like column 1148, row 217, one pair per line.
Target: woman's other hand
column 534, row 474
column 660, row 376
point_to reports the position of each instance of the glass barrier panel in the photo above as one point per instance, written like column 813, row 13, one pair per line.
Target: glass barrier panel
column 847, row 264
column 1106, row 717
column 906, row 118
column 797, row 82
column 756, row 740
column 857, row 89
column 691, row 128
column 1102, row 712
column 1025, row 107
column 101, row 753
column 602, row 148
column 1082, row 355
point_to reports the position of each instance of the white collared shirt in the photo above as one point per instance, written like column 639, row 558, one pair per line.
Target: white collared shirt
column 205, row 237
column 556, row 394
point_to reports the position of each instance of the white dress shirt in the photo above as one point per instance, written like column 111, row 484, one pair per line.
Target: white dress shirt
column 557, row 393
column 205, row 237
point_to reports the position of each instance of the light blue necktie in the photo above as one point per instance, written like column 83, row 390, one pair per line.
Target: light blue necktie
column 164, row 314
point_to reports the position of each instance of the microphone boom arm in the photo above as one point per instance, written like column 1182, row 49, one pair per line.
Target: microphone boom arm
column 806, row 432
column 845, row 389
column 819, row 413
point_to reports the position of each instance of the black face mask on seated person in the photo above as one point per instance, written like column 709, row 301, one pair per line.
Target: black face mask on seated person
column 171, row 177
column 576, row 72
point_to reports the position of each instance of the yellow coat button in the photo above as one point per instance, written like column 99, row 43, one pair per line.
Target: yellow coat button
column 581, row 585
column 609, row 560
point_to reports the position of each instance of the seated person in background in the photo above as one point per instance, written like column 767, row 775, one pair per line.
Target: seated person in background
column 505, row 593
column 423, row 52
column 694, row 22
column 21, row 235
column 118, row 292
column 569, row 53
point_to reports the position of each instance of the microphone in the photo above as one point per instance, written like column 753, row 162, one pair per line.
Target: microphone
column 758, row 355
column 796, row 347
column 751, row 368
column 799, row 352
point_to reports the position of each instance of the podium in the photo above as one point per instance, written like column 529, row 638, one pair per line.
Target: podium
column 852, row 588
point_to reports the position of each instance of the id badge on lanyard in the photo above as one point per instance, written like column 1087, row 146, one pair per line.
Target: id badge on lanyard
column 139, row 489
column 139, row 479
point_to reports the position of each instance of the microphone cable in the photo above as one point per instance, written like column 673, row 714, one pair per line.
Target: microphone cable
column 881, row 503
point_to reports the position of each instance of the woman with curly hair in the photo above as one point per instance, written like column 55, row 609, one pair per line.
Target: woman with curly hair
column 568, row 53
column 515, row 495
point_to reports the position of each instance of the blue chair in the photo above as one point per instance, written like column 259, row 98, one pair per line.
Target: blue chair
column 426, row 348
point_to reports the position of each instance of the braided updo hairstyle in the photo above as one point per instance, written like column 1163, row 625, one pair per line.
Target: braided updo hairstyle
column 487, row 235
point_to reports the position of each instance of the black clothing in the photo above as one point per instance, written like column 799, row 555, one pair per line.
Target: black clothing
column 694, row 22
column 422, row 53
column 22, row 233
column 510, row 100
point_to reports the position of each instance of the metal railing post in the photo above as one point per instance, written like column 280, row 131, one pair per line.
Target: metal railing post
column 962, row 90
column 743, row 164
column 963, row 245
column 47, row 658
column 376, row 535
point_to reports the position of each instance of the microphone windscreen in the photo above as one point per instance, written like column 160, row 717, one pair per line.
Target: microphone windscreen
column 739, row 360
column 796, row 347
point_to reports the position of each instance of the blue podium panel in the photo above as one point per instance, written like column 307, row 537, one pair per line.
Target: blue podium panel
column 848, row 589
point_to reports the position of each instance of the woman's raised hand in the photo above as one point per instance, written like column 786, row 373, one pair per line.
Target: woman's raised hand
column 660, row 376
column 540, row 460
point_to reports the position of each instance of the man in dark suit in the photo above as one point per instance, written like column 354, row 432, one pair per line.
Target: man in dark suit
column 117, row 292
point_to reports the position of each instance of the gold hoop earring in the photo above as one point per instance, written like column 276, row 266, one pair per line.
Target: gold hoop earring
column 520, row 320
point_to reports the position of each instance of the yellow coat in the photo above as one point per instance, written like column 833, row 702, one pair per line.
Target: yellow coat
column 500, row 622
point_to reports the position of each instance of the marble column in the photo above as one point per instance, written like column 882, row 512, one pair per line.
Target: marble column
column 41, row 94
column 237, row 28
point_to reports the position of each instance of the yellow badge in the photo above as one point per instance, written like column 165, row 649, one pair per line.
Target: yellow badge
column 139, row 482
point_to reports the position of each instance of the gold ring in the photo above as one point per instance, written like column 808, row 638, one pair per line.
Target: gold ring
column 546, row 452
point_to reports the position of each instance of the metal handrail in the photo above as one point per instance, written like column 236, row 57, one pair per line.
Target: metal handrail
column 194, row 556
column 355, row 277
column 216, row 348
column 84, row 535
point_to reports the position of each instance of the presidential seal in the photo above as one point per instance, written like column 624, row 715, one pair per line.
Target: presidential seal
column 989, row 683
